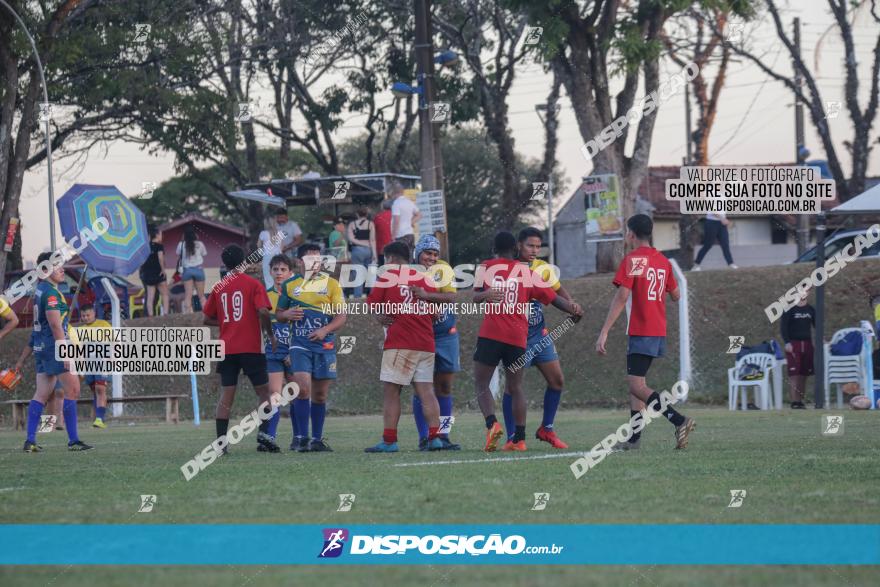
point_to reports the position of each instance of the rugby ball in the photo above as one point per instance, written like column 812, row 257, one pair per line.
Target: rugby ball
column 860, row 402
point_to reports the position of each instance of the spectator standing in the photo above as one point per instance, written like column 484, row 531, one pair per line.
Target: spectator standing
column 337, row 242
column 404, row 217
column 152, row 272
column 714, row 228
column 362, row 236
column 797, row 332
column 293, row 236
column 382, row 222
column 191, row 253
column 271, row 241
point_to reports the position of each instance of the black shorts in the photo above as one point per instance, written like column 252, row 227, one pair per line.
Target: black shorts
column 489, row 352
column 253, row 365
column 637, row 364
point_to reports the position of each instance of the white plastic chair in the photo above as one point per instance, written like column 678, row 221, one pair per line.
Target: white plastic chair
column 843, row 369
column 764, row 361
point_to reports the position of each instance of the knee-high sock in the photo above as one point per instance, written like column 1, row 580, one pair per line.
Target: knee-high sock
column 100, row 412
column 552, row 398
column 319, row 412
column 302, row 410
column 293, row 418
column 445, row 402
column 273, row 423
column 670, row 414
column 509, row 420
column 35, row 410
column 69, row 411
column 419, row 417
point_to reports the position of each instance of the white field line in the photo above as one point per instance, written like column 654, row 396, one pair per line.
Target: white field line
column 494, row 460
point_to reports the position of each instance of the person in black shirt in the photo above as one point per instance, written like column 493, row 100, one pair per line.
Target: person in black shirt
column 152, row 272
column 797, row 332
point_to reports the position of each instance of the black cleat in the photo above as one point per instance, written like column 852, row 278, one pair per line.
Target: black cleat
column 448, row 445
column 32, row 447
column 79, row 445
column 300, row 445
column 423, row 444
column 318, row 445
column 266, row 443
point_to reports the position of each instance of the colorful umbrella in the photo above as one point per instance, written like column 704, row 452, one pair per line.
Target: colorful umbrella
column 125, row 246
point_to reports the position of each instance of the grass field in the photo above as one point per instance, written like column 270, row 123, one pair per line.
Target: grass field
column 791, row 472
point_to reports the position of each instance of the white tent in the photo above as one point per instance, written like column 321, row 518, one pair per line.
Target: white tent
column 865, row 203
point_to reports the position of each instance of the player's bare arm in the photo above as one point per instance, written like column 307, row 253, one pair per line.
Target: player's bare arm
column 26, row 352
column 488, row 295
column 567, row 305
column 266, row 325
column 563, row 293
column 617, row 306
column 289, row 315
column 335, row 324
column 675, row 294
column 11, row 323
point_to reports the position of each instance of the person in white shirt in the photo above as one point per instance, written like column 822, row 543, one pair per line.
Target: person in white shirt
column 292, row 234
column 715, row 227
column 404, row 216
column 191, row 253
column 271, row 242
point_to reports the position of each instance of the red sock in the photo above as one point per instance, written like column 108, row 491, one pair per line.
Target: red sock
column 433, row 432
column 389, row 435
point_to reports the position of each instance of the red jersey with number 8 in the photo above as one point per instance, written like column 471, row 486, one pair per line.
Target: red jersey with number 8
column 235, row 303
column 648, row 274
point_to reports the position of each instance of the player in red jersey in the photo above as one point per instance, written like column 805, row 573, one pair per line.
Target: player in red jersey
column 647, row 275
column 509, row 286
column 240, row 306
column 408, row 355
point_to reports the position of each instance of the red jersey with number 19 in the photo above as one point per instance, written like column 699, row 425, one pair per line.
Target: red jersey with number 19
column 236, row 306
column 648, row 274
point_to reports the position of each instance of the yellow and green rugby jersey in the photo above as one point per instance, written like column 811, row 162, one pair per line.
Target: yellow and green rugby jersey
column 320, row 297
column 536, row 316
column 5, row 310
column 281, row 330
column 442, row 273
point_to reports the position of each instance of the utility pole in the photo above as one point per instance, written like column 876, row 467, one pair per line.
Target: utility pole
column 687, row 124
column 432, row 163
column 803, row 221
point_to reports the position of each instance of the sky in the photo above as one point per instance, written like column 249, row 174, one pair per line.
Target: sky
column 755, row 122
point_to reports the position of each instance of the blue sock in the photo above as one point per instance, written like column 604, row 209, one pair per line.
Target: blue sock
column 69, row 411
column 101, row 412
column 35, row 410
column 507, row 407
column 319, row 412
column 273, row 423
column 301, row 412
column 293, row 418
column 445, row 402
column 552, row 398
column 419, row 416
column 95, row 402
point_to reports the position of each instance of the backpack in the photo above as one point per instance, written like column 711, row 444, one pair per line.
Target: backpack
column 771, row 347
column 749, row 372
column 850, row 344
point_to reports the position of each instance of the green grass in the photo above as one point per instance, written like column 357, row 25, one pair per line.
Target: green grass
column 791, row 472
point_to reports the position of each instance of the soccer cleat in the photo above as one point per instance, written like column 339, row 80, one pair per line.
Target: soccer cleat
column 77, row 446
column 318, row 445
column 682, row 432
column 423, row 444
column 449, row 445
column 493, row 435
column 32, row 447
column 382, row 447
column 435, row 444
column 302, row 445
column 511, row 446
column 266, row 443
column 625, row 446
column 696, row 268
column 98, row 423
column 550, row 437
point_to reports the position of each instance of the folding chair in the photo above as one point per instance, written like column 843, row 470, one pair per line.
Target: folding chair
column 840, row 369
column 764, row 361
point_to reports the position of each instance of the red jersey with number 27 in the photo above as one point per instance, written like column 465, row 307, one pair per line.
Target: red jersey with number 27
column 235, row 305
column 648, row 274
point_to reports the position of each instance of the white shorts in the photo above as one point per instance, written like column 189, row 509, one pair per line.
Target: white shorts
column 404, row 366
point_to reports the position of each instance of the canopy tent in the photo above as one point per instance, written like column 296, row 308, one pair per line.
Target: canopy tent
column 865, row 203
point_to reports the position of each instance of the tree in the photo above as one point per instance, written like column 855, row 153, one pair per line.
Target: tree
column 475, row 204
column 859, row 146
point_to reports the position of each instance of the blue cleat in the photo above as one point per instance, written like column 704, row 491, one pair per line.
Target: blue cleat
column 435, row 444
column 382, row 447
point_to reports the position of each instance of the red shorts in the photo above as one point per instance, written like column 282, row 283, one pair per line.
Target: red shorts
column 800, row 360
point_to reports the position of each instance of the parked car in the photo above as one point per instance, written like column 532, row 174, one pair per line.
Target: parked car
column 836, row 241
column 131, row 295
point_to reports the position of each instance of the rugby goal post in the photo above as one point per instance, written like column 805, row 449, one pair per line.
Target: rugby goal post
column 684, row 328
column 116, row 323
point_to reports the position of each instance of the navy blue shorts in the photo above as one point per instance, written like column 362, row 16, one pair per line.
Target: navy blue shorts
column 320, row 365
column 47, row 365
column 446, row 354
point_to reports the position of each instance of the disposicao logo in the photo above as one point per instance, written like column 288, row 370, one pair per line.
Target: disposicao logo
column 334, row 540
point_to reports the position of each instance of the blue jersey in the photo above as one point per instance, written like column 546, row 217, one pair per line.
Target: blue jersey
column 47, row 298
column 280, row 329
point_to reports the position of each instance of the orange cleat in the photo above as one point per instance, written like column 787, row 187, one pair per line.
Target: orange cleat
column 514, row 446
column 493, row 435
column 550, row 437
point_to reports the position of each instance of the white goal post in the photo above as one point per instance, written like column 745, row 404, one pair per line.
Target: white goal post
column 684, row 328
